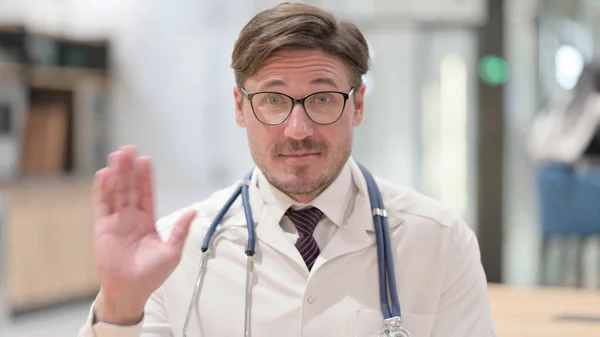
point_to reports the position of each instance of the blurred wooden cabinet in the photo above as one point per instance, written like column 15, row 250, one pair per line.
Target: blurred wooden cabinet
column 55, row 109
column 49, row 256
column 54, row 91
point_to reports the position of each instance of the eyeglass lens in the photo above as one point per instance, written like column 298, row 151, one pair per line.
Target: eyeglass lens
column 322, row 107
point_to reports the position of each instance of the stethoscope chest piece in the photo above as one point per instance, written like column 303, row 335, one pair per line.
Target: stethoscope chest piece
column 394, row 329
column 397, row 332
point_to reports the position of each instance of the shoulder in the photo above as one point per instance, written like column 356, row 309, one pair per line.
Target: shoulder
column 408, row 201
column 423, row 213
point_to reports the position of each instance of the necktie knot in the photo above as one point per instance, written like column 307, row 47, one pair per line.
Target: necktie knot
column 305, row 220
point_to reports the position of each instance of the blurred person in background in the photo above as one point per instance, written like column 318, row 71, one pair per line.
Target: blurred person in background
column 299, row 95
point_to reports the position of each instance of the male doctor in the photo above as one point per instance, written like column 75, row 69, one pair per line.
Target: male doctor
column 299, row 95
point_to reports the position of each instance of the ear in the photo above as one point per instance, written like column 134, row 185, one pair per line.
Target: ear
column 239, row 101
column 359, row 106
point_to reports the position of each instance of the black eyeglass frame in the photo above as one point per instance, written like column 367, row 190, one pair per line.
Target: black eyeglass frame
column 295, row 101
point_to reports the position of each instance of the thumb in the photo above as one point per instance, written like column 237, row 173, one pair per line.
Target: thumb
column 181, row 230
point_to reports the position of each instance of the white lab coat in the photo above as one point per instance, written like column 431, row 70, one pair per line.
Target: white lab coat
column 440, row 279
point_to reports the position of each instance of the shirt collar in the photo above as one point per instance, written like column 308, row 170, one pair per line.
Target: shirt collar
column 342, row 189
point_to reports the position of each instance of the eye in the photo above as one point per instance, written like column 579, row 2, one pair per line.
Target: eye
column 273, row 100
column 322, row 99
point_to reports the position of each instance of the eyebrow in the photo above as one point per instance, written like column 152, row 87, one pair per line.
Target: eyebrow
column 280, row 83
column 324, row 80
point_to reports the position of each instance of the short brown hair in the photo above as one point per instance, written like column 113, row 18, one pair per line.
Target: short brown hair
column 298, row 26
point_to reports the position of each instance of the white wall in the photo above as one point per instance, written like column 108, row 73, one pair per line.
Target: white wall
column 387, row 142
column 173, row 95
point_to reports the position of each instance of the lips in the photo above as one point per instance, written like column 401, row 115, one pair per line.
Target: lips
column 300, row 155
column 299, row 158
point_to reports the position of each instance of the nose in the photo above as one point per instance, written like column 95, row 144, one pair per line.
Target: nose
column 298, row 125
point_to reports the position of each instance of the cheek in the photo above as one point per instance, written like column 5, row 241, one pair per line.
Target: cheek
column 334, row 136
column 261, row 136
column 348, row 121
column 339, row 134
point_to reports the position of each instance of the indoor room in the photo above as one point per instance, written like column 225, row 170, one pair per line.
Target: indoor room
column 483, row 113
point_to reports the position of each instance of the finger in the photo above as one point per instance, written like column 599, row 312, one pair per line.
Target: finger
column 146, row 185
column 100, row 196
column 135, row 194
column 110, row 181
column 128, row 166
column 181, row 230
column 122, row 162
column 115, row 183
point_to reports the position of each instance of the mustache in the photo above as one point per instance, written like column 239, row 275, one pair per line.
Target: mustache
column 306, row 144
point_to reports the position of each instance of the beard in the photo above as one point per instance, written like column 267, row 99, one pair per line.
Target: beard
column 302, row 179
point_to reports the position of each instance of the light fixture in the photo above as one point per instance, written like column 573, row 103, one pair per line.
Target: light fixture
column 568, row 66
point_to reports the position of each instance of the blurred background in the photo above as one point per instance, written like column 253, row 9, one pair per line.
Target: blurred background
column 490, row 106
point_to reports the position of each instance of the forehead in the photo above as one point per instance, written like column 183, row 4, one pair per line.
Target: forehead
column 301, row 69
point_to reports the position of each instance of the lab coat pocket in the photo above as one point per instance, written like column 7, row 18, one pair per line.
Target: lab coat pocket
column 369, row 323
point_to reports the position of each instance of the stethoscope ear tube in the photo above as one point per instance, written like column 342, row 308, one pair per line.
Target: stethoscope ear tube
column 242, row 189
column 197, row 286
column 251, row 245
column 219, row 217
column 385, row 260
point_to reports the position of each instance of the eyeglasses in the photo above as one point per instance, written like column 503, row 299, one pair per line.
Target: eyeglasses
column 273, row 108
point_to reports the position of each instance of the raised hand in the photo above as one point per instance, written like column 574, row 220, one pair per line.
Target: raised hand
column 131, row 259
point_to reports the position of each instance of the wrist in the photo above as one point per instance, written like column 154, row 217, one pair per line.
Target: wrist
column 118, row 310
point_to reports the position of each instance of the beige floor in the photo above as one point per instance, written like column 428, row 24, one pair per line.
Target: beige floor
column 58, row 322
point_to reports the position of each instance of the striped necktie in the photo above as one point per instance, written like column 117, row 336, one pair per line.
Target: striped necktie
column 306, row 221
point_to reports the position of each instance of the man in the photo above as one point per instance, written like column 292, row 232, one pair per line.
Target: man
column 299, row 95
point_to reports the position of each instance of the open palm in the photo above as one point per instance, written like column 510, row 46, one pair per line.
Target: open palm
column 131, row 258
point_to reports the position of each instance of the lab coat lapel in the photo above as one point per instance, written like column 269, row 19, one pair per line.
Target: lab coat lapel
column 269, row 232
column 350, row 237
column 359, row 232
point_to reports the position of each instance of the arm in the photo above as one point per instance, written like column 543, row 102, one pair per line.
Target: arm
column 464, row 309
column 155, row 323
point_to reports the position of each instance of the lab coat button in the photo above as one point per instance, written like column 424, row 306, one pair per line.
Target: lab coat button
column 311, row 300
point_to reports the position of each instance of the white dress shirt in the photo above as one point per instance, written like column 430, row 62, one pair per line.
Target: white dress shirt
column 441, row 283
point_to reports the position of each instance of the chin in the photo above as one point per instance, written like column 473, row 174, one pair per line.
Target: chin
column 297, row 179
column 302, row 171
column 297, row 186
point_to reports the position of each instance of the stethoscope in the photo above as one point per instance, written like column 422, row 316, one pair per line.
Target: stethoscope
column 392, row 315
